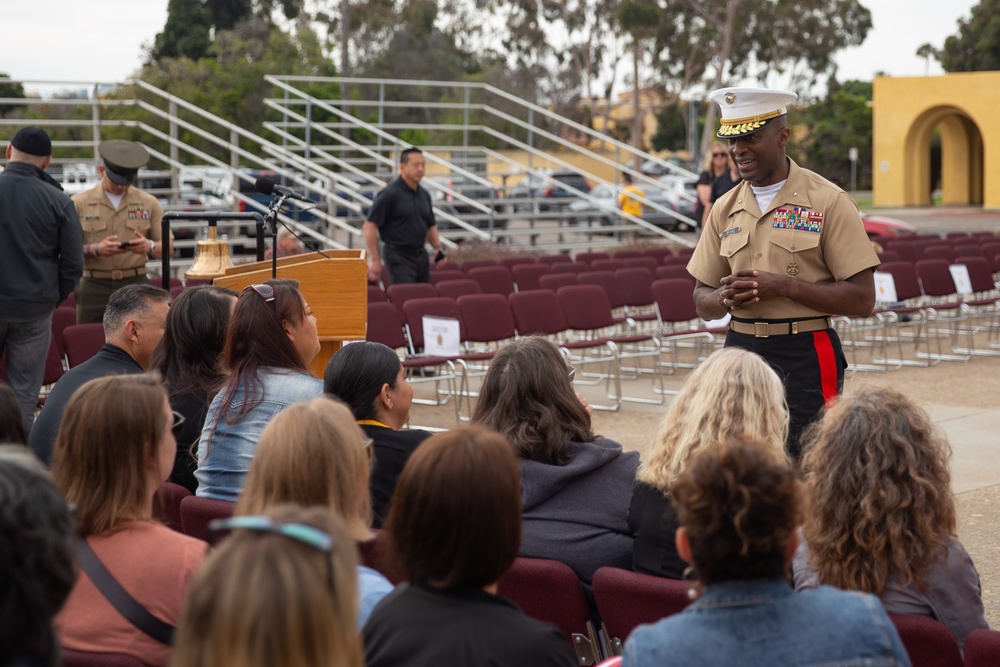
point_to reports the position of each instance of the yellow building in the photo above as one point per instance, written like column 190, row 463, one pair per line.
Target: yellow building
column 965, row 109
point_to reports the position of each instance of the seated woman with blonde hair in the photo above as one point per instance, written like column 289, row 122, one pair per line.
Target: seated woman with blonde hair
column 314, row 455
column 732, row 394
column 115, row 448
column 882, row 517
column 280, row 590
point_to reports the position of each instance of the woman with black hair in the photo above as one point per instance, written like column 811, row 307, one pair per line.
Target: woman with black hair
column 189, row 358
column 370, row 379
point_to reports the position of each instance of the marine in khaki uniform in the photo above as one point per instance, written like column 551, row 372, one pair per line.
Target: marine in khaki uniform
column 781, row 253
column 121, row 229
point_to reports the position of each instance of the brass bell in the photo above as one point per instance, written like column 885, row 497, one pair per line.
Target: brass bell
column 211, row 257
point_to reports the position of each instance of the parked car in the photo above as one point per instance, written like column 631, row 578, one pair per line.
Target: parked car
column 546, row 185
column 878, row 225
column 247, row 187
column 605, row 207
column 682, row 192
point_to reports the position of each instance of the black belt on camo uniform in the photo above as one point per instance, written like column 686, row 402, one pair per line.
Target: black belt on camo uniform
column 114, row 274
column 768, row 329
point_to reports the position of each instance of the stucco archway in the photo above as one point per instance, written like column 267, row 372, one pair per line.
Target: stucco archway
column 961, row 158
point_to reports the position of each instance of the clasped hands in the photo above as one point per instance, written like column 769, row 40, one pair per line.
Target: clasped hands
column 746, row 287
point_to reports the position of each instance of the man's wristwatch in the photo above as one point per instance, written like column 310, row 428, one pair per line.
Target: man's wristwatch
column 152, row 246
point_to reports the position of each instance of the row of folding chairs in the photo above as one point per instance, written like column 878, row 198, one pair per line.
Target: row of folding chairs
column 659, row 254
column 929, row 312
column 913, row 252
column 579, row 318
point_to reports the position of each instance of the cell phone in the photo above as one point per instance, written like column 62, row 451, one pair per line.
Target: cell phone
column 125, row 244
column 439, row 256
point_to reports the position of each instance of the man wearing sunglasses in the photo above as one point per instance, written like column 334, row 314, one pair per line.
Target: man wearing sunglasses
column 133, row 326
column 781, row 253
column 121, row 229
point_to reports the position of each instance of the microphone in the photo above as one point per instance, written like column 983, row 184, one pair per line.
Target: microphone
column 267, row 186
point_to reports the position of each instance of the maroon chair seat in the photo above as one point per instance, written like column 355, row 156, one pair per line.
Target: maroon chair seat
column 675, row 271
column 493, row 279
column 403, row 292
column 982, row 648
column 456, row 288
column 375, row 294
column 657, row 253
column 450, row 274
column 676, row 260
column 929, row 643
column 71, row 658
column 197, row 513
column 570, row 267
column 608, row 264
column 167, row 505
column 470, row 264
column 526, row 276
column 562, row 259
column 627, row 254
column 627, row 599
column 554, row 281
column 588, row 257
column 81, row 342
column 510, row 262
column 550, row 591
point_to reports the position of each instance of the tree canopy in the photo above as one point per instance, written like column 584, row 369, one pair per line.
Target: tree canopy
column 976, row 47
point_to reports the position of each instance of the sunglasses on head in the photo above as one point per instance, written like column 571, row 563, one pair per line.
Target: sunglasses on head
column 298, row 532
column 263, row 290
column 178, row 422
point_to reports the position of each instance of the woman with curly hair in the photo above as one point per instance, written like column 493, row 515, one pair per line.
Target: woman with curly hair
column 883, row 514
column 734, row 393
column 739, row 510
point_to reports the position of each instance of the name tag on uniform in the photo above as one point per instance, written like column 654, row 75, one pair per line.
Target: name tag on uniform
column 137, row 212
column 729, row 232
column 798, row 218
column 91, row 217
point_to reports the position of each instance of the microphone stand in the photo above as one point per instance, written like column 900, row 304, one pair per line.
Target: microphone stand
column 271, row 221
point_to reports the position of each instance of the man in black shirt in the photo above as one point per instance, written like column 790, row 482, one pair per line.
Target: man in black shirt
column 402, row 214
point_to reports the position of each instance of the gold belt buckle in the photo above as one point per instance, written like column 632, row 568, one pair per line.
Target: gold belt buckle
column 760, row 330
column 116, row 274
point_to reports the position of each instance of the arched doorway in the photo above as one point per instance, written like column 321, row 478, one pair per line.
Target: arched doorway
column 961, row 158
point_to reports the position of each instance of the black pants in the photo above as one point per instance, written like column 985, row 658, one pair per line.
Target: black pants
column 811, row 365
column 406, row 265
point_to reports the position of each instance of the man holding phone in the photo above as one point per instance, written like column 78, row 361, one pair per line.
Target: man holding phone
column 121, row 229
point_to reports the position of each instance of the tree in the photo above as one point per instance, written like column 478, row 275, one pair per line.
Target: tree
column 831, row 126
column 11, row 91
column 976, row 47
column 927, row 51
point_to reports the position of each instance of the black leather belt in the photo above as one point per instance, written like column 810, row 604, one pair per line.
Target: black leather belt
column 768, row 329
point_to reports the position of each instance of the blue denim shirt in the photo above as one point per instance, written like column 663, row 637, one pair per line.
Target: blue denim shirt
column 760, row 623
column 225, row 450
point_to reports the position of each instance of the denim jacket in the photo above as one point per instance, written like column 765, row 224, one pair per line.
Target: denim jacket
column 760, row 623
column 225, row 450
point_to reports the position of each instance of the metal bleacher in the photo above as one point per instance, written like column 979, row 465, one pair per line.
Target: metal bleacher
column 341, row 151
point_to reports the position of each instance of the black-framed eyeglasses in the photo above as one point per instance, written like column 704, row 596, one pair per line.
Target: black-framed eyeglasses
column 175, row 427
column 263, row 290
column 301, row 533
column 571, row 372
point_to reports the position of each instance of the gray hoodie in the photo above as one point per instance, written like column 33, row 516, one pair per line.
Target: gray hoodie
column 575, row 513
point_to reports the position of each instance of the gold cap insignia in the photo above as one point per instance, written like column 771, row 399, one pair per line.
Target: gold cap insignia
column 730, row 98
column 792, row 269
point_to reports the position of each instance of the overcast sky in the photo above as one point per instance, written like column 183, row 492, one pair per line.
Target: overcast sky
column 68, row 40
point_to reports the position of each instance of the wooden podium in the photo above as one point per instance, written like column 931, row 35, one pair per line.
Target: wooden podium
column 335, row 284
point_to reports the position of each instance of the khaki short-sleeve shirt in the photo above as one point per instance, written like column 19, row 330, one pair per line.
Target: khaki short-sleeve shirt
column 812, row 232
column 138, row 212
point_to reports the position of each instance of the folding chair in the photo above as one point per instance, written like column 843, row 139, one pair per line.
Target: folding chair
column 588, row 257
column 385, row 325
column 679, row 325
column 628, row 599
column 538, row 313
column 450, row 274
column 962, row 251
column 637, row 283
column 167, row 505
column 676, row 260
column 940, row 251
column 493, row 279
column 401, row 293
column 643, row 263
column 626, row 254
column 982, row 648
column 81, row 342
column 904, row 321
column 991, row 249
column 608, row 264
column 373, row 554
column 554, row 281
column 470, row 264
column 375, row 294
column 588, row 314
column 685, row 251
column 561, row 259
column 488, row 325
column 657, row 253
column 614, row 289
column 197, row 513
column 550, row 591
column 526, row 276
column 570, row 267
column 928, row 642
column 674, row 271
column 414, row 311
column 983, row 305
column 941, row 294
column 510, row 262
column 456, row 288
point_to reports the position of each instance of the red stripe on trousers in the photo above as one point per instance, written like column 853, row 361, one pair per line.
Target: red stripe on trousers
column 827, row 365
